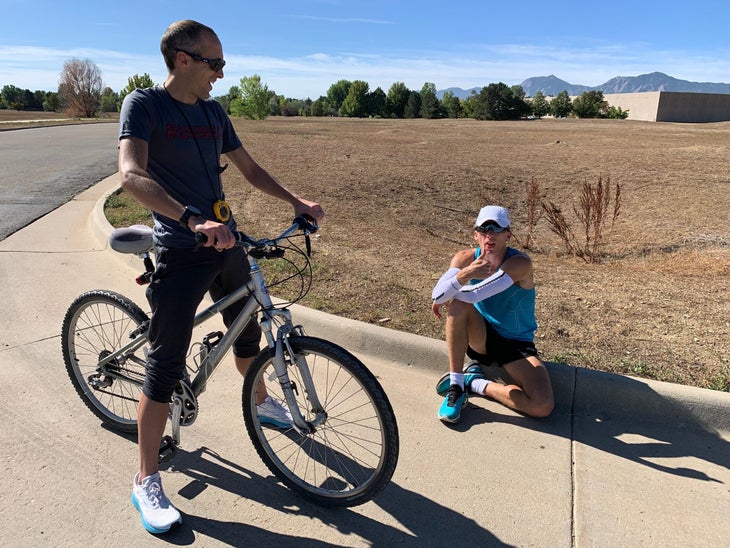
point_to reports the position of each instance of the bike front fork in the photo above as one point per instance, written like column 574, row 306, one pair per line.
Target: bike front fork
column 286, row 356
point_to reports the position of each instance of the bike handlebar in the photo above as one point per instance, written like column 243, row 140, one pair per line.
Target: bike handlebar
column 267, row 247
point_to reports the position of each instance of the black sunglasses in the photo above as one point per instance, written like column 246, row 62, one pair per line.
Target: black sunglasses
column 216, row 65
column 486, row 227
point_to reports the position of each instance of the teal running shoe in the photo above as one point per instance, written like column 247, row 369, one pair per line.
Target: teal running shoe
column 472, row 370
column 455, row 399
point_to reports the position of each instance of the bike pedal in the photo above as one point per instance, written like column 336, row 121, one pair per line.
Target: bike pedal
column 168, row 450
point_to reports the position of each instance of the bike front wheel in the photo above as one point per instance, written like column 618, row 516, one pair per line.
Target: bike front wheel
column 350, row 455
column 97, row 324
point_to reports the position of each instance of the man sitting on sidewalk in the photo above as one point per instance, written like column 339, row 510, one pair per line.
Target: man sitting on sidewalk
column 490, row 295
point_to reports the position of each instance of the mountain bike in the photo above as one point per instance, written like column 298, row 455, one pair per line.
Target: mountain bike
column 342, row 446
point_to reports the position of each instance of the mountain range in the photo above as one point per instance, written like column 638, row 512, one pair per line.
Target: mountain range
column 654, row 81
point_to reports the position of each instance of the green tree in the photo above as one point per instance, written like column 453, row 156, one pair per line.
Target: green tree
column 293, row 107
column 29, row 101
column 79, row 87
column 470, row 105
column 482, row 104
column 376, row 102
column 306, row 107
column 355, row 104
column 253, row 101
column 228, row 98
column 540, row 106
column 319, row 106
column 275, row 105
column 561, row 106
column 617, row 113
column 336, row 94
column 518, row 92
column 452, row 105
column 413, row 105
column 39, row 98
column 109, row 101
column 430, row 105
column 396, row 100
column 136, row 82
column 50, row 102
column 499, row 102
column 589, row 104
column 34, row 100
column 12, row 97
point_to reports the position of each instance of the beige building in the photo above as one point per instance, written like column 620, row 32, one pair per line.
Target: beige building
column 672, row 106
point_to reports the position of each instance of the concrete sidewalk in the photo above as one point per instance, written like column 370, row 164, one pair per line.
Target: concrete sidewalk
column 621, row 462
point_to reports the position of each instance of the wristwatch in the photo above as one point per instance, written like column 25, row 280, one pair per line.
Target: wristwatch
column 189, row 212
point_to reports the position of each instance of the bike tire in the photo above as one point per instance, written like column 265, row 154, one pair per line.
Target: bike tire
column 97, row 323
column 348, row 459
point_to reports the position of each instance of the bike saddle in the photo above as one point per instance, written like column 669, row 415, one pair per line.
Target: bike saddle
column 135, row 239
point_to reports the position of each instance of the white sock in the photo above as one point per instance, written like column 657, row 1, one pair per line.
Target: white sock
column 457, row 378
column 479, row 385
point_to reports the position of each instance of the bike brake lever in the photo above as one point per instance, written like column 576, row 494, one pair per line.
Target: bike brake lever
column 308, row 224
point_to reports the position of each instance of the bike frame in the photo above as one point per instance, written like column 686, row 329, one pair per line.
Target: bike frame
column 184, row 400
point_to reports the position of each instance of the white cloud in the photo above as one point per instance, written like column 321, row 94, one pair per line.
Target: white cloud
column 311, row 75
column 29, row 67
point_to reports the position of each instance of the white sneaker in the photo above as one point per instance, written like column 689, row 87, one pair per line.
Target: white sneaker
column 273, row 413
column 158, row 513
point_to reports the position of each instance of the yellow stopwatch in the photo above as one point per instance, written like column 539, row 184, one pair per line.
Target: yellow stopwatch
column 222, row 211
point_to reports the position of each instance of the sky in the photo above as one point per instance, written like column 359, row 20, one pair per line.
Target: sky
column 299, row 49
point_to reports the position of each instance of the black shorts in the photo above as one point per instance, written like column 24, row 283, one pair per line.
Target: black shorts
column 501, row 350
column 179, row 283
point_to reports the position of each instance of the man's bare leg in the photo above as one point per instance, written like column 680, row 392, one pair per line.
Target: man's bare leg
column 531, row 393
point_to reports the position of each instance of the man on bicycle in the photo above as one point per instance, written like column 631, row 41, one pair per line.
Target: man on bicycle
column 170, row 141
column 490, row 295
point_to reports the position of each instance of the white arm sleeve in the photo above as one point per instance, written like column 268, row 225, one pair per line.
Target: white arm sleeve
column 448, row 288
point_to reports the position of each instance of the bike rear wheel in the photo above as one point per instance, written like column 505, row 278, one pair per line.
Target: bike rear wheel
column 351, row 456
column 97, row 324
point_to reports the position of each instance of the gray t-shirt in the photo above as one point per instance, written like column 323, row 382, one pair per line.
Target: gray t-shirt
column 185, row 143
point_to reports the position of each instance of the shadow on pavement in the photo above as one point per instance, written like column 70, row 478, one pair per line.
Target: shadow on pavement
column 422, row 519
column 644, row 425
column 621, row 416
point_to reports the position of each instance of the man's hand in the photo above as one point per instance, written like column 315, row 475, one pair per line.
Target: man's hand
column 313, row 209
column 436, row 309
column 219, row 235
column 479, row 269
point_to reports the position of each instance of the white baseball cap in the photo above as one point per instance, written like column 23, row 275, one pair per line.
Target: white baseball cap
column 497, row 214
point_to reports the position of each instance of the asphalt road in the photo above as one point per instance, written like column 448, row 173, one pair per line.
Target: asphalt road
column 43, row 168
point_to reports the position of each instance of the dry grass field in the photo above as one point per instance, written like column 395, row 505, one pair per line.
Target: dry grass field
column 401, row 195
column 19, row 119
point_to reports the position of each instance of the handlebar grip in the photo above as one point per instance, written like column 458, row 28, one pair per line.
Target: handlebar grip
column 306, row 222
column 200, row 240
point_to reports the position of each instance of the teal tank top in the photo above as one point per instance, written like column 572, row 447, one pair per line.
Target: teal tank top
column 510, row 312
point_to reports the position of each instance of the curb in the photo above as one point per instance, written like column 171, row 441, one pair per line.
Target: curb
column 582, row 391
column 100, row 226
